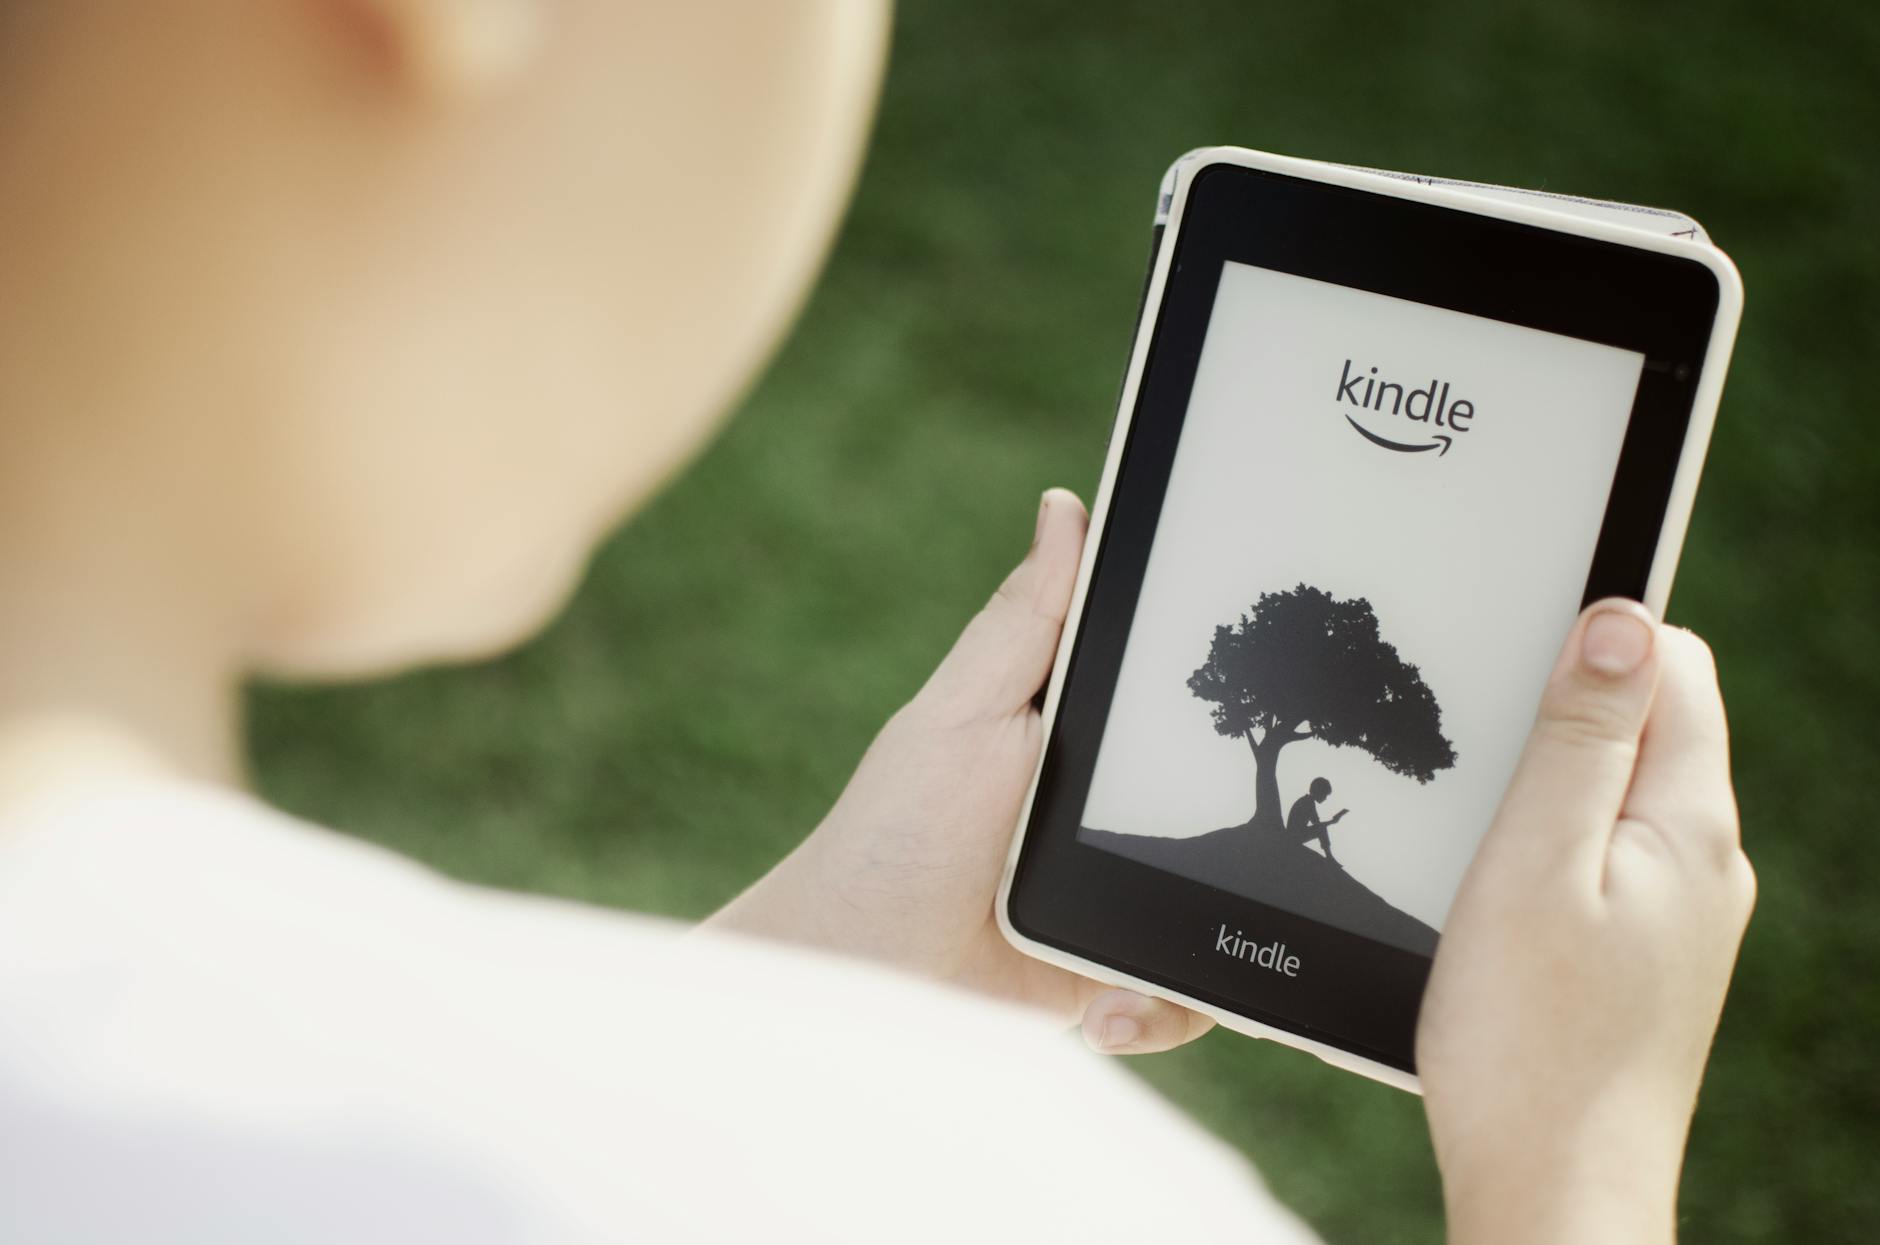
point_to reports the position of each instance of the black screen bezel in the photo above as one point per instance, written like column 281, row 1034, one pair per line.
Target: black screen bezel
column 1352, row 993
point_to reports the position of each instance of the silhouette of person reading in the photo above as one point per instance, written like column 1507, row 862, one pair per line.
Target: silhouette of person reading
column 1303, row 824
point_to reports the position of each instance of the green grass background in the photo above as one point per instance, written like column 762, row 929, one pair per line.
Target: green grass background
column 703, row 700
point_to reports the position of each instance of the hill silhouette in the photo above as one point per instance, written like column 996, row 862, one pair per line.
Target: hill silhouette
column 1268, row 869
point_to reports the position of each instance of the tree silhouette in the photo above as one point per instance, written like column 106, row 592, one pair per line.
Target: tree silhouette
column 1303, row 665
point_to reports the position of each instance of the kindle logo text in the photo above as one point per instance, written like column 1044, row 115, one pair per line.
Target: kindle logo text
column 1273, row 955
column 1411, row 412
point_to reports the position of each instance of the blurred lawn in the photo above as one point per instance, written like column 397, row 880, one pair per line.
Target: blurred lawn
column 702, row 702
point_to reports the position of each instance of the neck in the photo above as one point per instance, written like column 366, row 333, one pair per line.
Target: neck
column 100, row 641
column 117, row 597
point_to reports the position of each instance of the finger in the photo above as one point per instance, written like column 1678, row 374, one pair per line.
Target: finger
column 1002, row 658
column 1122, row 1022
column 1681, row 787
column 1573, row 775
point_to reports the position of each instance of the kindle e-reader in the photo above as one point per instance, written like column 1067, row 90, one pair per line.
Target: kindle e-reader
column 1379, row 439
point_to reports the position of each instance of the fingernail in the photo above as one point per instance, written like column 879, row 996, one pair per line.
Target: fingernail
column 1044, row 508
column 1119, row 1032
column 1616, row 642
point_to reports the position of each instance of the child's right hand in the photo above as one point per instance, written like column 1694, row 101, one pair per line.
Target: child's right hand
column 1583, row 966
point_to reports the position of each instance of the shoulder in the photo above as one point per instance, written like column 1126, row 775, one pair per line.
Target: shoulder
column 273, row 1024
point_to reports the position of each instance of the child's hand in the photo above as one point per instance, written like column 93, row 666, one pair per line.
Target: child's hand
column 1583, row 966
column 905, row 867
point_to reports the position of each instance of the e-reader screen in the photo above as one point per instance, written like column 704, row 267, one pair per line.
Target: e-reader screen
column 1377, row 526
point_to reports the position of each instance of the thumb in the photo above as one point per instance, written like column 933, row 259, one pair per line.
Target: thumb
column 1002, row 658
column 1573, row 776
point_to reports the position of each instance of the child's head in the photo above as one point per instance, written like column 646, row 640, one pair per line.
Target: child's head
column 365, row 319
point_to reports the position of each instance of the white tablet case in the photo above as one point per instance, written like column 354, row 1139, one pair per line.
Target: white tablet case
column 1647, row 228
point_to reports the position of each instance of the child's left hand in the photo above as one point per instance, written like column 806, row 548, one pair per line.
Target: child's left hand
column 905, row 867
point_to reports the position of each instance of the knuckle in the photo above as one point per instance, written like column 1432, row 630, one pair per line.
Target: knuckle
column 1016, row 602
column 1717, row 826
column 1581, row 718
column 1695, row 649
column 1740, row 878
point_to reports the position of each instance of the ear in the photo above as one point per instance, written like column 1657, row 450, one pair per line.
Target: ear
column 449, row 49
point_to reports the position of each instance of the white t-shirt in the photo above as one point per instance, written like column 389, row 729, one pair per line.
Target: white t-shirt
column 221, row 1025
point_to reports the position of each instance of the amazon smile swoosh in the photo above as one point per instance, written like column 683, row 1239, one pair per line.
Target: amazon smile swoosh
column 1441, row 442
